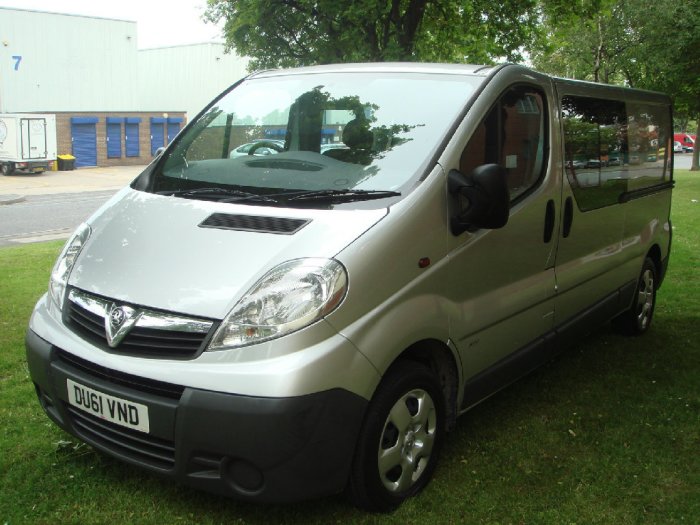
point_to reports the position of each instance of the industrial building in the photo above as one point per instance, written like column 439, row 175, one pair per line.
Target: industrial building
column 114, row 104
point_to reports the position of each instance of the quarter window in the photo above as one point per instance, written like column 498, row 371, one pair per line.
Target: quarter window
column 650, row 139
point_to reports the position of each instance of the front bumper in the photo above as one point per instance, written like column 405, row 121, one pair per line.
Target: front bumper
column 258, row 448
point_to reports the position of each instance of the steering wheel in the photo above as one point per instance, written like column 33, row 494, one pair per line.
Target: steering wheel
column 265, row 144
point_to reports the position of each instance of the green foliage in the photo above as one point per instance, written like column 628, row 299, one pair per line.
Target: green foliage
column 649, row 45
column 586, row 40
column 600, row 40
column 288, row 33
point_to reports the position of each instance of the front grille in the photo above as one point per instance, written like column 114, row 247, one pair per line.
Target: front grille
column 88, row 322
column 155, row 334
column 143, row 448
column 142, row 384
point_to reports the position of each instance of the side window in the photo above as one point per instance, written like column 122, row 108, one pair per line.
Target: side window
column 512, row 135
column 612, row 148
column 596, row 150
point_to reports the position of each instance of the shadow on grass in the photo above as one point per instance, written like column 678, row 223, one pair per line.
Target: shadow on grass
column 605, row 433
column 601, row 368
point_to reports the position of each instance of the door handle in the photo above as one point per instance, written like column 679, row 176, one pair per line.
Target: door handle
column 549, row 221
column 568, row 216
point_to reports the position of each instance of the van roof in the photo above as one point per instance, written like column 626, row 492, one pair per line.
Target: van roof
column 383, row 67
column 587, row 87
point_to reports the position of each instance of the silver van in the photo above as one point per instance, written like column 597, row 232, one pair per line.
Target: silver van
column 397, row 243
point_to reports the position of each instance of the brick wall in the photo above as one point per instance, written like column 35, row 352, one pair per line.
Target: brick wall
column 65, row 145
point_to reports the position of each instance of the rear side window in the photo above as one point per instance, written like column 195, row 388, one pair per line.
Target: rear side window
column 612, row 148
column 650, row 138
column 512, row 135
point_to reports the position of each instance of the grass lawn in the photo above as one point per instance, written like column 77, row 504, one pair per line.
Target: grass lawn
column 607, row 433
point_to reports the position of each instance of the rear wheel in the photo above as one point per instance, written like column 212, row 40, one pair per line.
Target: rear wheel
column 637, row 319
column 7, row 168
column 399, row 442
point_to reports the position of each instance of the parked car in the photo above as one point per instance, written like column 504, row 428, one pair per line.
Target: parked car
column 677, row 147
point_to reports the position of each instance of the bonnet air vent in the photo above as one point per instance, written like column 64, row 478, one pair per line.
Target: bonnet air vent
column 254, row 223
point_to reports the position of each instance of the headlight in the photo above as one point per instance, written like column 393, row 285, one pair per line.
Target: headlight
column 64, row 264
column 288, row 298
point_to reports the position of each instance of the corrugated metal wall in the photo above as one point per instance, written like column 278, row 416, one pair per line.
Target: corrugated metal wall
column 54, row 62
column 186, row 77
column 80, row 67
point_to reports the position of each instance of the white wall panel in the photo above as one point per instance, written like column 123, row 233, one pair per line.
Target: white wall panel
column 68, row 63
column 186, row 78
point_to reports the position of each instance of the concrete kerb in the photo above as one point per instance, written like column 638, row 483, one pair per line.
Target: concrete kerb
column 11, row 199
column 14, row 188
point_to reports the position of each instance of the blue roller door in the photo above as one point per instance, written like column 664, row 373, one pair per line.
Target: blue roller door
column 173, row 128
column 157, row 133
column 114, row 137
column 84, row 137
column 131, row 136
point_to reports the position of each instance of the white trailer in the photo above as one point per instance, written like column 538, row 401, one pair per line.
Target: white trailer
column 27, row 142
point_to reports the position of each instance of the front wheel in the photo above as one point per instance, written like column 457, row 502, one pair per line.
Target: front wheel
column 399, row 442
column 637, row 319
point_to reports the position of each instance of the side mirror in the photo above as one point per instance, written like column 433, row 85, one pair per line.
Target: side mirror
column 159, row 151
column 484, row 201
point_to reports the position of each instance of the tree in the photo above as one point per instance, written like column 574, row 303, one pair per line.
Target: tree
column 288, row 33
column 668, row 58
column 649, row 45
column 578, row 40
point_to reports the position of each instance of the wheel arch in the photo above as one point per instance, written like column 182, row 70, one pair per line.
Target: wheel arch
column 439, row 359
column 654, row 254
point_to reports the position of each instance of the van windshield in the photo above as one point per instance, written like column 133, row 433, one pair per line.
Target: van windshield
column 315, row 140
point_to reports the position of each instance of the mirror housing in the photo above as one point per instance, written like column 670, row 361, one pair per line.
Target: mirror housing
column 484, row 200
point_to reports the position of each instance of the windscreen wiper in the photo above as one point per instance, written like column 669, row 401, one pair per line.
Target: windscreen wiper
column 218, row 194
column 338, row 196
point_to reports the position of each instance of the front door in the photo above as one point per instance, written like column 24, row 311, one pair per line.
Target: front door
column 502, row 281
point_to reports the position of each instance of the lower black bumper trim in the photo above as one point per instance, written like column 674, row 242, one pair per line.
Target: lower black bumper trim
column 263, row 449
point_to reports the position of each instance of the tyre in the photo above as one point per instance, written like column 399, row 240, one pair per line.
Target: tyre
column 400, row 439
column 637, row 319
column 7, row 168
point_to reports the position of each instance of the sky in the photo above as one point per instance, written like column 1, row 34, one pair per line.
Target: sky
column 183, row 18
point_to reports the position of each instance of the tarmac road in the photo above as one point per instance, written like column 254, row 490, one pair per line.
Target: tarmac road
column 682, row 161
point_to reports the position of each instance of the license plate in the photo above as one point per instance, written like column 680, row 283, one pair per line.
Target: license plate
column 113, row 409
